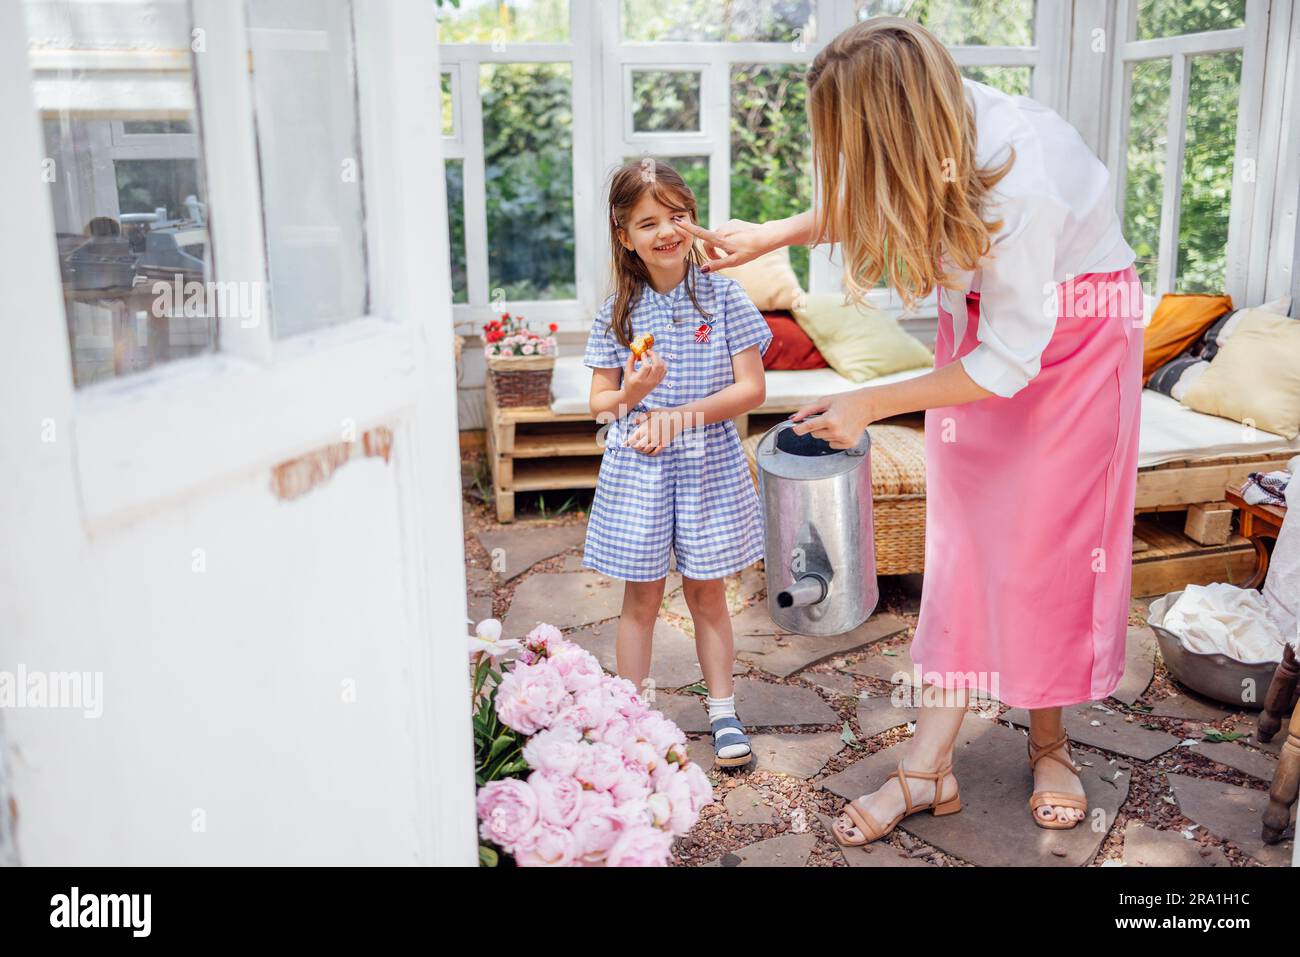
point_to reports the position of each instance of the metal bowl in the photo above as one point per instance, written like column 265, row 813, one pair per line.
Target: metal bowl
column 1216, row 676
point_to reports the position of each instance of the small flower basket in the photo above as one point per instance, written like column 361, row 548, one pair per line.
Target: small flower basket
column 520, row 362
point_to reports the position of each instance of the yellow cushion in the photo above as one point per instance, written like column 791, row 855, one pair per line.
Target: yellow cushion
column 1255, row 378
column 769, row 281
column 1177, row 322
column 858, row 343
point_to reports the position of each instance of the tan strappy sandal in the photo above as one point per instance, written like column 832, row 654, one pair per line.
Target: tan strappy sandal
column 871, row 831
column 1054, row 798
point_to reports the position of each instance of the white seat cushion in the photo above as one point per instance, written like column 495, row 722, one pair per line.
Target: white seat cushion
column 1170, row 433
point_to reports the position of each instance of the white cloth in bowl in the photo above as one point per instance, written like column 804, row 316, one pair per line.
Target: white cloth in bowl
column 1226, row 620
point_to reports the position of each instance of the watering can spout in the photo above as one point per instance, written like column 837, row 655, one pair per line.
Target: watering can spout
column 807, row 590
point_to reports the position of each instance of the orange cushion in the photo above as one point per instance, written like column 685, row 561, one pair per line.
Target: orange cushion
column 1177, row 323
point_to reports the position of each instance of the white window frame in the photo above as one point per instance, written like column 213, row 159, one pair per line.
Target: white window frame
column 602, row 132
column 257, row 400
column 1251, row 40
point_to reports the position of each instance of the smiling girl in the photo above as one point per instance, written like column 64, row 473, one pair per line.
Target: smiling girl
column 673, row 476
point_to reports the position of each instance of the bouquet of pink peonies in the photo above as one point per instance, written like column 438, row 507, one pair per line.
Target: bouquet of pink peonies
column 573, row 768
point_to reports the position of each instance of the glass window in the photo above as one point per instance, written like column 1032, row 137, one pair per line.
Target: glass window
column 1169, row 18
column 130, row 227
column 1214, row 88
column 455, row 174
column 784, row 21
column 1145, row 163
column 771, row 148
column 503, row 21
column 448, row 106
column 665, row 101
column 694, row 170
column 304, row 97
column 963, row 22
column 1009, row 79
column 528, row 168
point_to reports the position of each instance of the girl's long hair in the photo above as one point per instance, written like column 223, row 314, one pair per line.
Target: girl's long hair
column 893, row 143
column 629, row 183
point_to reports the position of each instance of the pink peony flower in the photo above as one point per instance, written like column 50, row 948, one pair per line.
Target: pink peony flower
column 558, row 751
column 546, row 845
column 598, row 826
column 577, row 666
column 661, row 733
column 683, row 810
column 530, row 696
column 633, row 784
column 641, row 846
column 539, row 640
column 601, row 766
column 701, row 789
column 558, row 797
column 507, row 811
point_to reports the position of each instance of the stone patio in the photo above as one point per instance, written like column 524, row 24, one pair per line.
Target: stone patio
column 825, row 728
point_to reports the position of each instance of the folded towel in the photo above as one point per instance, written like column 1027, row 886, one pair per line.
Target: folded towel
column 1266, row 488
column 1227, row 620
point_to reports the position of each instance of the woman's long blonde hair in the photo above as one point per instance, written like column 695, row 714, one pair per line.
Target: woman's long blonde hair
column 894, row 155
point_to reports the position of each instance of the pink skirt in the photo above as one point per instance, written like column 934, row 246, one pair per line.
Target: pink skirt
column 1029, row 511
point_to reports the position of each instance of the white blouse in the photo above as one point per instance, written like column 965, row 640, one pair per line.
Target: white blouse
column 1059, row 221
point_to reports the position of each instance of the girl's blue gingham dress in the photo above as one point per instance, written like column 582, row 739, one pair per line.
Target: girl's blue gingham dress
column 696, row 496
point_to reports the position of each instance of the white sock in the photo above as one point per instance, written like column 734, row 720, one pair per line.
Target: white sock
column 725, row 708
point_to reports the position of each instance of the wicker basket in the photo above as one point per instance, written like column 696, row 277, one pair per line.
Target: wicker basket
column 521, row 381
column 898, row 494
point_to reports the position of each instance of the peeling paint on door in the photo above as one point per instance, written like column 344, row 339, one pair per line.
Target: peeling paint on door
column 299, row 476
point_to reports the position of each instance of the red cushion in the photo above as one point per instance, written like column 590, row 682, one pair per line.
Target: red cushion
column 791, row 348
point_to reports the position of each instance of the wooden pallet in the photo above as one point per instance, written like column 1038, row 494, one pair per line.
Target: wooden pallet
column 1176, row 485
column 535, row 449
column 1165, row 560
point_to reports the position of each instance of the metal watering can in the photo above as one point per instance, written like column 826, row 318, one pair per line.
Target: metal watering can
column 819, row 532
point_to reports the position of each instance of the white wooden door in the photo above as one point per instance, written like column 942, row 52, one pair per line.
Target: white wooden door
column 233, row 572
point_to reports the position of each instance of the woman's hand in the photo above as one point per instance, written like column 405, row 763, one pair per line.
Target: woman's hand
column 733, row 243
column 640, row 381
column 655, row 431
column 838, row 419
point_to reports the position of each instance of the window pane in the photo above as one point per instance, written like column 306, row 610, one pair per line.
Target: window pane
column 770, row 147
column 665, row 101
column 455, row 170
column 1169, row 18
column 963, row 22
column 304, row 97
column 1145, row 176
column 448, row 108
column 784, row 21
column 130, row 223
column 1009, row 79
column 528, row 165
column 504, row 21
column 693, row 169
column 1213, row 92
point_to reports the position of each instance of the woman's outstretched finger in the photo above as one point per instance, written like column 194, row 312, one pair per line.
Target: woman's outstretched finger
column 714, row 245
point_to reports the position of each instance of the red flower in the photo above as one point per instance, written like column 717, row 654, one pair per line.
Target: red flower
column 554, row 327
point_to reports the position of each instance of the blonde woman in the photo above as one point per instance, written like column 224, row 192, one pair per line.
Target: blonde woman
column 929, row 181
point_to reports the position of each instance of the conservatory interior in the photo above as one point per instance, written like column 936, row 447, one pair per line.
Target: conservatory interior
column 1195, row 109
column 237, row 511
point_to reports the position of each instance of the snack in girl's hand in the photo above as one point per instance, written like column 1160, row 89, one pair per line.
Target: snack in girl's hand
column 641, row 344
